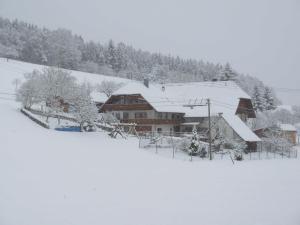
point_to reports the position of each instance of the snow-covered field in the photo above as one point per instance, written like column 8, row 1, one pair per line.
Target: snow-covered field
column 68, row 178
column 61, row 178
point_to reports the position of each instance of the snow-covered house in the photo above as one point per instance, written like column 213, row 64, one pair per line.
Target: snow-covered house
column 289, row 132
column 181, row 107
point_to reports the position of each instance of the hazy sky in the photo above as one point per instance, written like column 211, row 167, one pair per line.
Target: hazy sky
column 258, row 37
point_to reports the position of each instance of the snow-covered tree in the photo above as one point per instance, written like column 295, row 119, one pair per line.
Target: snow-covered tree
column 85, row 110
column 56, row 85
column 8, row 51
column 110, row 55
column 108, row 87
column 159, row 73
column 268, row 99
column 227, row 73
column 194, row 145
column 62, row 49
column 30, row 91
column 257, row 100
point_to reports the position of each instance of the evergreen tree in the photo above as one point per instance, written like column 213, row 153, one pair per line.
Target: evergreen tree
column 194, row 146
column 268, row 99
column 257, row 100
column 110, row 56
column 227, row 73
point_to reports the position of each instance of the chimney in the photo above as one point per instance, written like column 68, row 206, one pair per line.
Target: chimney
column 146, row 82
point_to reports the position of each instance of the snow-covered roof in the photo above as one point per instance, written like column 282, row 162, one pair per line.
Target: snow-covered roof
column 240, row 128
column 224, row 96
column 98, row 97
column 153, row 94
column 287, row 127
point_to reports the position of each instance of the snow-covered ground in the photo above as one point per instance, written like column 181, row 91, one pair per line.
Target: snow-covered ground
column 57, row 178
column 68, row 178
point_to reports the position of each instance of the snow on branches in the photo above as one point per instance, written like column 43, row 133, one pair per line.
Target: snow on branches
column 57, row 89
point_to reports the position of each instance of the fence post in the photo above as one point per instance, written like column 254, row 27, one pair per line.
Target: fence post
column 173, row 154
column 139, row 142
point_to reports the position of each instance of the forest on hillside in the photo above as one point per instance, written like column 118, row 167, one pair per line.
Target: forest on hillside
column 30, row 43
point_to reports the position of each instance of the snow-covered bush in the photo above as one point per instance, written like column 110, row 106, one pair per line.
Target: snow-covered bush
column 218, row 140
column 194, row 144
column 183, row 144
column 238, row 149
column 202, row 150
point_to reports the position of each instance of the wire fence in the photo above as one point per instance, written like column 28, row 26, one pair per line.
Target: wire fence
column 171, row 146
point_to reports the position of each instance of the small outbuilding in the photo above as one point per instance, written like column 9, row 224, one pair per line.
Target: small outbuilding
column 289, row 132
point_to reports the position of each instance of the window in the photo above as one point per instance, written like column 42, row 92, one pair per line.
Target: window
column 122, row 99
column 140, row 115
column 118, row 116
column 166, row 116
column 175, row 116
column 125, row 115
column 159, row 115
column 159, row 130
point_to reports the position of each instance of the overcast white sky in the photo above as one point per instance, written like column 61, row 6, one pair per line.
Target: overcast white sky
column 258, row 37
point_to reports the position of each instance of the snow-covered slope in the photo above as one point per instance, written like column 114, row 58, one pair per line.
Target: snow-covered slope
column 12, row 69
column 54, row 178
column 50, row 177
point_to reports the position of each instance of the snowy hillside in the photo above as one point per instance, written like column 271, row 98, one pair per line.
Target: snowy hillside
column 12, row 69
column 55, row 178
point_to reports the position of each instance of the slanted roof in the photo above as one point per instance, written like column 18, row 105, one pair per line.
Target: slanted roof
column 98, row 97
column 153, row 94
column 224, row 96
column 240, row 128
column 287, row 127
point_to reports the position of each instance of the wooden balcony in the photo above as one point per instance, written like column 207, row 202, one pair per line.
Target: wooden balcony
column 152, row 121
column 120, row 107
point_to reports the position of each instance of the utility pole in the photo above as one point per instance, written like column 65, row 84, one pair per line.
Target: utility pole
column 209, row 129
column 208, row 104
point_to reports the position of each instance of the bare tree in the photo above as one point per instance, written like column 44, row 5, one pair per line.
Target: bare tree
column 108, row 87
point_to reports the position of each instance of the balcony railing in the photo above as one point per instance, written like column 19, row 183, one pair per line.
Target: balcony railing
column 145, row 121
column 109, row 107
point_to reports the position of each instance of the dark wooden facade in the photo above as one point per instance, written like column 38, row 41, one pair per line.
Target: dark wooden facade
column 126, row 102
column 245, row 107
